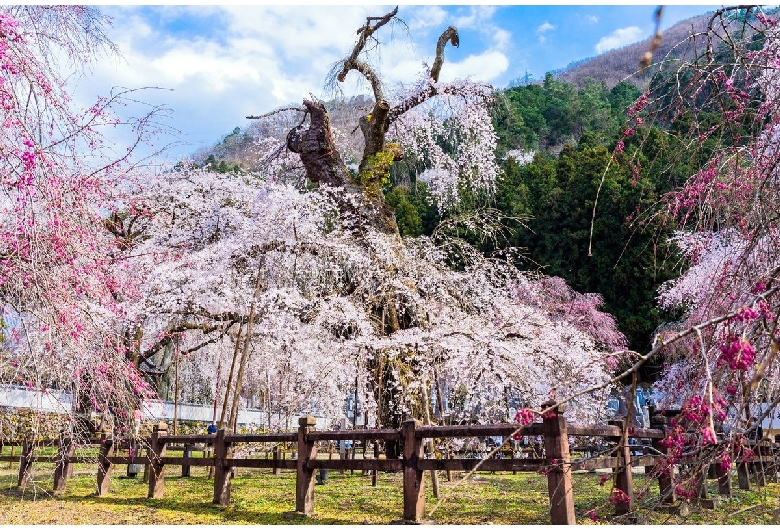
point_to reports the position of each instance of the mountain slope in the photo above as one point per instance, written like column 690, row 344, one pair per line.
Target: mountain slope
column 621, row 63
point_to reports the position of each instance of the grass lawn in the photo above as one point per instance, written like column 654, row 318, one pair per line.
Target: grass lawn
column 259, row 497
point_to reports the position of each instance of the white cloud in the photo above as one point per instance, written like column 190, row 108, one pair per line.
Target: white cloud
column 220, row 64
column 502, row 38
column 592, row 19
column 544, row 28
column 483, row 67
column 619, row 38
column 477, row 16
column 426, row 16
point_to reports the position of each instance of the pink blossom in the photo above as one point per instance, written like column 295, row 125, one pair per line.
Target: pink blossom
column 738, row 353
column 618, row 497
column 725, row 462
column 708, row 436
column 524, row 417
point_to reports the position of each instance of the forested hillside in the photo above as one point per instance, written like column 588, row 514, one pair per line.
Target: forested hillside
column 620, row 64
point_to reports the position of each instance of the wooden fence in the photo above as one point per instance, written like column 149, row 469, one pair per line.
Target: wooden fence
column 557, row 463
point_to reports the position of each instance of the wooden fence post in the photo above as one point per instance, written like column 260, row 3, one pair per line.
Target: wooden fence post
column 624, row 480
column 25, row 464
column 771, row 469
column 222, row 451
column 743, row 471
column 133, row 452
column 375, row 476
column 146, row 463
column 64, row 468
column 743, row 476
column 104, row 464
column 758, row 464
column 704, row 499
column 414, row 479
column 277, row 470
column 665, row 476
column 185, row 468
column 723, row 474
column 304, row 478
column 157, row 449
column 559, row 485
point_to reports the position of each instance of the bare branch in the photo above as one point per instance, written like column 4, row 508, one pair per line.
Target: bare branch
column 352, row 62
column 277, row 111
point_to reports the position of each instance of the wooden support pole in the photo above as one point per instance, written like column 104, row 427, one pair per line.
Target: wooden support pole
column 414, row 479
column 724, row 479
column 758, row 464
column 25, row 464
column 104, row 464
column 304, row 477
column 701, row 482
column 375, row 476
column 431, row 448
column 704, row 500
column 222, row 451
column 277, row 470
column 559, row 485
column 771, row 468
column 624, row 479
column 758, row 473
column 743, row 476
column 146, row 465
column 665, row 474
column 157, row 449
column 133, row 452
column 185, row 468
column 63, row 469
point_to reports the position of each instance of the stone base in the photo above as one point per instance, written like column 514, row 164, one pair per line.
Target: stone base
column 682, row 509
column 709, row 504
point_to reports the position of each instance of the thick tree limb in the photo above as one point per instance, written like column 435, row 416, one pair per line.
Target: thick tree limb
column 449, row 35
column 315, row 146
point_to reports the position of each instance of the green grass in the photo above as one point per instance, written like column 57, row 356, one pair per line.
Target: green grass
column 259, row 497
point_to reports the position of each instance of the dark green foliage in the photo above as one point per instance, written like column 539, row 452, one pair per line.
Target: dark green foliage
column 415, row 210
column 622, row 97
column 220, row 166
column 545, row 116
column 628, row 256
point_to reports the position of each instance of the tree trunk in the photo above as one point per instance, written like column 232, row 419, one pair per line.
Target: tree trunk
column 324, row 166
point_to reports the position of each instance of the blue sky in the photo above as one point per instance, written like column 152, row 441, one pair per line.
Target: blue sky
column 218, row 64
